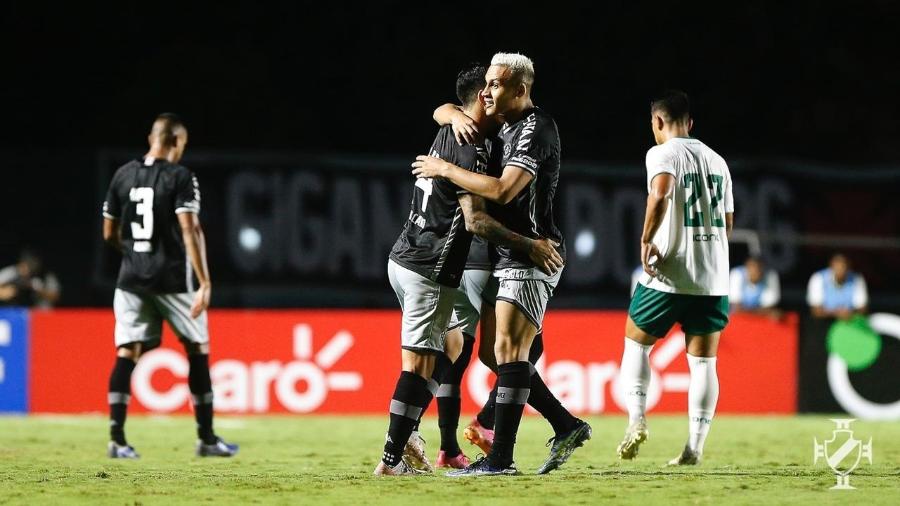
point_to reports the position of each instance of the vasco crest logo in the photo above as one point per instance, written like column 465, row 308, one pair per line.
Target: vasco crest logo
column 842, row 452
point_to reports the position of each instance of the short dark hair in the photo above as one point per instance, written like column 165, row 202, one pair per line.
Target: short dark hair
column 673, row 105
column 165, row 125
column 469, row 83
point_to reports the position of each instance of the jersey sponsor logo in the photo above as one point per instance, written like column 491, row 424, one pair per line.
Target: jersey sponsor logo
column 525, row 160
column 706, row 238
column 417, row 219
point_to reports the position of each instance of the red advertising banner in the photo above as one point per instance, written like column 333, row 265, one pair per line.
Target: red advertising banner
column 347, row 361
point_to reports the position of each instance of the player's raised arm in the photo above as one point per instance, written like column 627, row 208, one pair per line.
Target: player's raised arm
column 500, row 190
column 465, row 129
column 541, row 251
column 661, row 188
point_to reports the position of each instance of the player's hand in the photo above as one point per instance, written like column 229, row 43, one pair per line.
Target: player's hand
column 464, row 129
column 201, row 300
column 650, row 258
column 428, row 166
column 543, row 253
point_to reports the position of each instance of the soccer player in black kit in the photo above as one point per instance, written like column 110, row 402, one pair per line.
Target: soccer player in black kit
column 425, row 267
column 525, row 189
column 151, row 215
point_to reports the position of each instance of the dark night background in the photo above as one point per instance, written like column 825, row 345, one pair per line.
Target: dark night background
column 799, row 80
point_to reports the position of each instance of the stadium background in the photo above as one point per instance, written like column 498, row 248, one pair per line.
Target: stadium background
column 303, row 120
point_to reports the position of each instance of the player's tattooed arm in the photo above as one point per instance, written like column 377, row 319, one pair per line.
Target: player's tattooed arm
column 500, row 190
column 112, row 233
column 541, row 251
column 464, row 128
column 661, row 188
column 195, row 247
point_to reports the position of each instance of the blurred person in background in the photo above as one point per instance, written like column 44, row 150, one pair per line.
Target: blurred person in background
column 755, row 289
column 836, row 291
column 27, row 283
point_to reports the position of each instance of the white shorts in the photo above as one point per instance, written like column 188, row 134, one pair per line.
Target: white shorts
column 427, row 309
column 475, row 287
column 529, row 290
column 139, row 318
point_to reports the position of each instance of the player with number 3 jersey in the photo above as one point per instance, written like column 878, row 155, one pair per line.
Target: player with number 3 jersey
column 151, row 215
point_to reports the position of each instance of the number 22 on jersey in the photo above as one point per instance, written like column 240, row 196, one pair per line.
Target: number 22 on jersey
column 695, row 208
column 142, row 232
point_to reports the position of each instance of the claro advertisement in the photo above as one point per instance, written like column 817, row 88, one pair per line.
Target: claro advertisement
column 347, row 361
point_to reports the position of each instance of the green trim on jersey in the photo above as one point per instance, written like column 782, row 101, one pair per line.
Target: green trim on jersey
column 655, row 312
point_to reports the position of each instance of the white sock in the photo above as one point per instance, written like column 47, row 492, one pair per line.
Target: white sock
column 702, row 397
column 634, row 378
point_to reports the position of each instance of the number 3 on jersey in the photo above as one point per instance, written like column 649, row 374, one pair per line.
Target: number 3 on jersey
column 142, row 232
column 693, row 205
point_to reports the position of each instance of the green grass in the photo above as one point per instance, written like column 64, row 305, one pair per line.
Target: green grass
column 328, row 460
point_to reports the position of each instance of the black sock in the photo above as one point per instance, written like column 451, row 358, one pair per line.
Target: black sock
column 407, row 404
column 543, row 400
column 512, row 392
column 487, row 414
column 441, row 365
column 202, row 396
column 119, row 395
column 448, row 400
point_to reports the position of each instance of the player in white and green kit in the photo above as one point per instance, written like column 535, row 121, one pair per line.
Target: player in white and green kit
column 684, row 252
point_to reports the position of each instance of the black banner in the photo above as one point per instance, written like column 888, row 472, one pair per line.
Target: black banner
column 315, row 230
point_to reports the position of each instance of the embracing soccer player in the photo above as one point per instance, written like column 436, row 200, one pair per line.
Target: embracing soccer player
column 525, row 189
column 684, row 252
column 151, row 216
column 425, row 268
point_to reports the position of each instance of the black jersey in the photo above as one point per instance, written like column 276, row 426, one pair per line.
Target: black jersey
column 146, row 196
column 532, row 143
column 434, row 241
column 482, row 254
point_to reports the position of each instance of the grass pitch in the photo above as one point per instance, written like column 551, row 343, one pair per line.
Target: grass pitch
column 329, row 460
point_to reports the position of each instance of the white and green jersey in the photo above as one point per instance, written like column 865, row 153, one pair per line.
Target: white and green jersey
column 691, row 239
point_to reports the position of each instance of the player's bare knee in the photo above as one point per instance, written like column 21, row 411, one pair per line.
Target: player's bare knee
column 453, row 344
column 509, row 349
column 131, row 351
column 702, row 345
column 418, row 363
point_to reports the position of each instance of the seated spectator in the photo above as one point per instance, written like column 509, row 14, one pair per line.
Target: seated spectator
column 754, row 288
column 837, row 292
column 27, row 284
